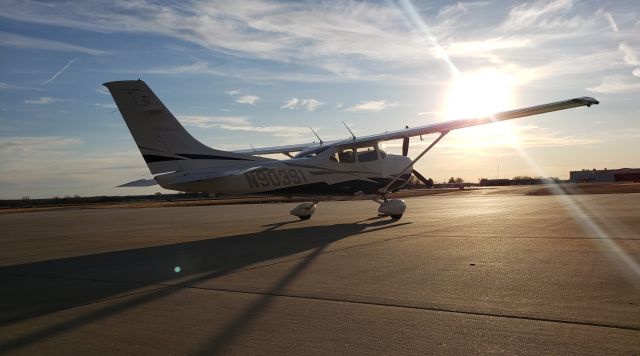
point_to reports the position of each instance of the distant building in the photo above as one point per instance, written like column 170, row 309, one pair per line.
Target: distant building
column 494, row 182
column 525, row 181
column 605, row 175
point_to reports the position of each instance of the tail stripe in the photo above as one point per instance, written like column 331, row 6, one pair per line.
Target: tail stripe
column 200, row 156
column 156, row 158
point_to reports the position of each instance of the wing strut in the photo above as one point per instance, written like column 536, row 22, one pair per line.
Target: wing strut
column 385, row 189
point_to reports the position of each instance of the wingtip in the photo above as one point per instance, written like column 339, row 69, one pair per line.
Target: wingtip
column 587, row 100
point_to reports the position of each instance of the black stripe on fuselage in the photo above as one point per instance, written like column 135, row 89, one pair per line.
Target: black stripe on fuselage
column 343, row 188
column 157, row 158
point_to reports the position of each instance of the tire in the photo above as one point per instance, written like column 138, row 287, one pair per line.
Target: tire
column 396, row 216
column 305, row 217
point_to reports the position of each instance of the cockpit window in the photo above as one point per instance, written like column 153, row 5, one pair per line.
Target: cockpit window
column 367, row 154
column 347, row 156
column 310, row 152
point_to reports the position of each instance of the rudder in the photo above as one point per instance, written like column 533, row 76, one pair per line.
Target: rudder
column 164, row 143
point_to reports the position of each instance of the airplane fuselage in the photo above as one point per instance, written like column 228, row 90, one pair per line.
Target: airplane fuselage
column 300, row 176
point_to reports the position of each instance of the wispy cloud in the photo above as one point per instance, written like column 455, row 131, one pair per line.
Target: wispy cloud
column 537, row 13
column 18, row 41
column 306, row 104
column 278, row 131
column 261, row 30
column 241, row 98
column 290, row 104
column 58, row 73
column 617, row 84
column 201, row 67
column 36, row 143
column 106, row 106
column 241, row 123
column 247, row 99
column 611, row 21
column 43, row 100
column 212, row 121
column 311, row 104
column 630, row 55
column 429, row 113
column 372, row 106
column 350, row 40
column 7, row 86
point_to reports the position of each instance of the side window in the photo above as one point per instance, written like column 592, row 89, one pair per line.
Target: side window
column 346, row 156
column 367, row 154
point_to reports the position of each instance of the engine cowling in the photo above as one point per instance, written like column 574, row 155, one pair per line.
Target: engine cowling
column 304, row 210
column 393, row 208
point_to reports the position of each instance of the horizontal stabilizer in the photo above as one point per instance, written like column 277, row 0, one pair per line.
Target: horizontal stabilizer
column 139, row 183
column 176, row 178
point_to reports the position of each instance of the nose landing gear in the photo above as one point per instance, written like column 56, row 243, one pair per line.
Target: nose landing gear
column 393, row 208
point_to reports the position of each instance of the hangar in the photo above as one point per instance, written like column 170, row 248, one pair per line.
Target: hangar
column 605, row 175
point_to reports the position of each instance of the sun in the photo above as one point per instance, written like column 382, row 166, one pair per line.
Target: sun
column 478, row 94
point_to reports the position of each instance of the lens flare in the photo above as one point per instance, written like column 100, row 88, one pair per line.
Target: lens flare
column 479, row 94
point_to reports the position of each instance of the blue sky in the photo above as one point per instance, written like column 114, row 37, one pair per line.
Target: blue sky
column 240, row 73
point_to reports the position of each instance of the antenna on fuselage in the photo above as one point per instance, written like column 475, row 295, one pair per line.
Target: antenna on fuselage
column 348, row 129
column 314, row 132
column 254, row 149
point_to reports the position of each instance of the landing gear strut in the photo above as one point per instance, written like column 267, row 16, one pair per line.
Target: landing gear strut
column 396, row 207
column 304, row 211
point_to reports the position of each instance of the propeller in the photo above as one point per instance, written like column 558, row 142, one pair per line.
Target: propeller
column 405, row 146
column 405, row 152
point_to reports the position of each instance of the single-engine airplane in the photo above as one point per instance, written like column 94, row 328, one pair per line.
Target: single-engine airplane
column 354, row 166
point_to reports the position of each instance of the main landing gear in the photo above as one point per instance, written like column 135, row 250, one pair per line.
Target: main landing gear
column 304, row 210
column 393, row 208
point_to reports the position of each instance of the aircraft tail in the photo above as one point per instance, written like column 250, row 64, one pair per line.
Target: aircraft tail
column 164, row 143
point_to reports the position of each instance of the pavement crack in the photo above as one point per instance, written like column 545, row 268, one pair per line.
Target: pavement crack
column 424, row 308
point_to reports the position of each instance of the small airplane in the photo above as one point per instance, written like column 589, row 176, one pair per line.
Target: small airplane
column 354, row 166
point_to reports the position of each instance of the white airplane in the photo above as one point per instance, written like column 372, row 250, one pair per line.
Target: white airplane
column 354, row 166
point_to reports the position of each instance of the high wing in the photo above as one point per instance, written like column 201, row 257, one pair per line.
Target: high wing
column 437, row 128
column 459, row 124
column 277, row 149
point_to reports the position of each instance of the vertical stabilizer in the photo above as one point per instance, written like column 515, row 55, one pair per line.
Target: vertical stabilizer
column 164, row 143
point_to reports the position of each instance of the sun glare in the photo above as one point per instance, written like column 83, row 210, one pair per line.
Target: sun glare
column 481, row 94
column 478, row 94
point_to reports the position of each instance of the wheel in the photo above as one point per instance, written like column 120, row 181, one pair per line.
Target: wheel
column 305, row 217
column 396, row 216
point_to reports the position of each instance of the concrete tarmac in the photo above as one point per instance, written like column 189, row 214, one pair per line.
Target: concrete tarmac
column 458, row 274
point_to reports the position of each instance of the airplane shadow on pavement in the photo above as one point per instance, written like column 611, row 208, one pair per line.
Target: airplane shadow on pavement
column 146, row 274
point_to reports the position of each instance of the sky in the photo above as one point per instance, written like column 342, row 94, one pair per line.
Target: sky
column 242, row 73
